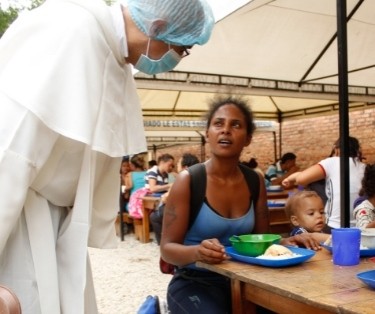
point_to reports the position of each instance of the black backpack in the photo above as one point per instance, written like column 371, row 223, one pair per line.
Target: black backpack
column 198, row 187
column 198, row 182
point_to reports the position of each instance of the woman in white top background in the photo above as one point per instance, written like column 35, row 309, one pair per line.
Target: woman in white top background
column 329, row 169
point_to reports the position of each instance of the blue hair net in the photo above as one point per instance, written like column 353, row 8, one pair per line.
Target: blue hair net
column 177, row 22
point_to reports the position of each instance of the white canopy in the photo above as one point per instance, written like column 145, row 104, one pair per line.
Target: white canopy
column 282, row 54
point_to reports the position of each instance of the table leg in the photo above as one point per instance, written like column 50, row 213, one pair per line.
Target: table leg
column 122, row 223
column 147, row 207
column 236, row 296
column 239, row 304
column 146, row 225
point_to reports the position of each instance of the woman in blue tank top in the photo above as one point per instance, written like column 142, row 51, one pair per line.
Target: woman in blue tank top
column 228, row 209
column 135, row 179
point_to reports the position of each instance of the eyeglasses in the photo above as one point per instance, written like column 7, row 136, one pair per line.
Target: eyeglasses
column 185, row 51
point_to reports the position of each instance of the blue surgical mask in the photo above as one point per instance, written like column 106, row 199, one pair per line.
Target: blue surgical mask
column 166, row 63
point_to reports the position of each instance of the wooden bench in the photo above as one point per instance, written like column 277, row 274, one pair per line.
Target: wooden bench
column 126, row 219
column 279, row 223
column 141, row 225
column 136, row 223
column 138, row 230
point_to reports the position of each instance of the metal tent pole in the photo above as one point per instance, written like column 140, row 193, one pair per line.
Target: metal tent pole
column 343, row 113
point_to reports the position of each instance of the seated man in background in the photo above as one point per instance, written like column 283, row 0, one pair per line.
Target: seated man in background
column 156, row 181
column 157, row 178
column 156, row 217
column 276, row 173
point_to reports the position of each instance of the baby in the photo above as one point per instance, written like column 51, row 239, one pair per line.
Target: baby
column 305, row 210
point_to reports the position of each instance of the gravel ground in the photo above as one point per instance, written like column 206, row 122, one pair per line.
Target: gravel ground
column 125, row 276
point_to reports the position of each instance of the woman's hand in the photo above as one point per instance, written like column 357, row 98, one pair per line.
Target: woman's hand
column 304, row 239
column 290, row 181
column 211, row 251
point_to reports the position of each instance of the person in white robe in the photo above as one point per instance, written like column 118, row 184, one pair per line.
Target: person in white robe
column 68, row 112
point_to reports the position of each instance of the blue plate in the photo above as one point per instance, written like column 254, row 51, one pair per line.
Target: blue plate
column 368, row 277
column 272, row 204
column 362, row 252
column 305, row 255
column 159, row 194
column 277, row 190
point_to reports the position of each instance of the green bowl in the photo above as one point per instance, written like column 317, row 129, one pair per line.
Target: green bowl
column 253, row 244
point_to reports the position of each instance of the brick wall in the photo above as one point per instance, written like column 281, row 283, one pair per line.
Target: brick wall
column 311, row 139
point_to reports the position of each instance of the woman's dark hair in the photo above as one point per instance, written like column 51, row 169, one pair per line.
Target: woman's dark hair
column 138, row 161
column 252, row 163
column 368, row 181
column 354, row 148
column 240, row 103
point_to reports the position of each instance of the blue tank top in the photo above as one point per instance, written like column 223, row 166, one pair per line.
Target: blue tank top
column 209, row 224
column 138, row 180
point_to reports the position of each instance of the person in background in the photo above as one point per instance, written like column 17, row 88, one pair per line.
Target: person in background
column 69, row 112
column 152, row 163
column 135, row 179
column 125, row 168
column 329, row 169
column 253, row 164
column 156, row 183
column 157, row 179
column 305, row 211
column 275, row 174
column 156, row 217
column 124, row 193
column 228, row 209
column 364, row 212
column 320, row 185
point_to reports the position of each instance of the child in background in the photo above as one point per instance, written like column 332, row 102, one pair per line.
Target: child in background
column 305, row 210
column 364, row 213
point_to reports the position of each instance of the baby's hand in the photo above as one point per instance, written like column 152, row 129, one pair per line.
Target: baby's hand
column 305, row 239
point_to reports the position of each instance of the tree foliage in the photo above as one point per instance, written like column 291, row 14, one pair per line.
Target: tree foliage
column 9, row 15
column 6, row 18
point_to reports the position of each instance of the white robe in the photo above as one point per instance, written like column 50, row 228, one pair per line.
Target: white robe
column 68, row 112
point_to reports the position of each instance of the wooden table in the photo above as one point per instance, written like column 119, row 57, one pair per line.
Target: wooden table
column 284, row 194
column 149, row 204
column 314, row 287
